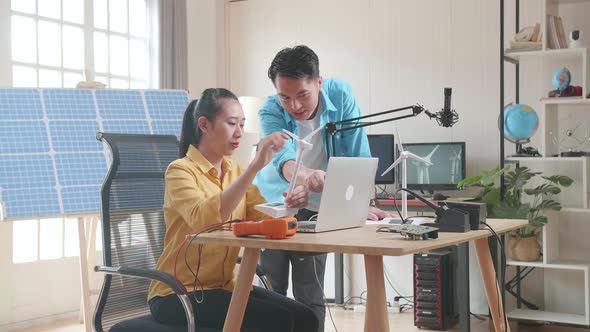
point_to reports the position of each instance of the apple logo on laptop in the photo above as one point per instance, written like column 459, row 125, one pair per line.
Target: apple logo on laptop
column 349, row 192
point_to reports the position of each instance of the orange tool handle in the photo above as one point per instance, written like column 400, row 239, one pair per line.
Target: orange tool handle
column 279, row 228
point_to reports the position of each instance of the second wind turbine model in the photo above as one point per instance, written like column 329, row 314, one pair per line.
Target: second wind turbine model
column 403, row 157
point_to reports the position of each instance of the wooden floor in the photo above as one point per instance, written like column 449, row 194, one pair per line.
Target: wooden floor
column 349, row 321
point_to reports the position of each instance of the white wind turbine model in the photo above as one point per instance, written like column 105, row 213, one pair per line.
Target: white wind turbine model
column 403, row 157
column 455, row 164
column 423, row 170
column 277, row 209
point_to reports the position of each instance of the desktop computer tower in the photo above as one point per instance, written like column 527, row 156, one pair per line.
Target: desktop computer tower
column 435, row 300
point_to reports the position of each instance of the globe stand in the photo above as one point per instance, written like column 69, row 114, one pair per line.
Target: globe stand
column 525, row 152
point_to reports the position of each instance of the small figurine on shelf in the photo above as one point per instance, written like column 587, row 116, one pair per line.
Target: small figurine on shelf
column 561, row 80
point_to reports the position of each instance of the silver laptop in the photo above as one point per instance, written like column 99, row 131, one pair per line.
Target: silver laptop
column 346, row 195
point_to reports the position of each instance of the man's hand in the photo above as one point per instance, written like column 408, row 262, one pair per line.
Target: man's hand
column 315, row 181
column 377, row 214
column 297, row 199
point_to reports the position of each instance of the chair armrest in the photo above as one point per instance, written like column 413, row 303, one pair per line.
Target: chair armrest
column 143, row 273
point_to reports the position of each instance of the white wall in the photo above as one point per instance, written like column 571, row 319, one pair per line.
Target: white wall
column 5, row 55
column 205, row 33
column 394, row 54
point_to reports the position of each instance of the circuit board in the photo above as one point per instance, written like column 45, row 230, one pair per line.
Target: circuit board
column 413, row 232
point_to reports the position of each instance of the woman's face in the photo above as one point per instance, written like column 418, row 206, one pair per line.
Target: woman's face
column 225, row 132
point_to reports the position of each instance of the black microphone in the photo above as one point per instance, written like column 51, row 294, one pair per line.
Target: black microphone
column 447, row 117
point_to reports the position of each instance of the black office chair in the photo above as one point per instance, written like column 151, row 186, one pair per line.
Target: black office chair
column 132, row 198
column 133, row 228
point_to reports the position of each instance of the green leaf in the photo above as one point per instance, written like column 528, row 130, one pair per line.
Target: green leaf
column 548, row 204
column 527, row 231
column 491, row 196
column 562, row 180
column 487, row 178
column 516, row 179
column 470, row 181
column 543, row 189
column 538, row 221
column 490, row 177
column 506, row 211
column 512, row 199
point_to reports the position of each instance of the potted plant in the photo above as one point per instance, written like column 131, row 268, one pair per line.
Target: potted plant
column 520, row 203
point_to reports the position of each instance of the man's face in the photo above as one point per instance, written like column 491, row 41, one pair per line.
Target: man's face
column 299, row 96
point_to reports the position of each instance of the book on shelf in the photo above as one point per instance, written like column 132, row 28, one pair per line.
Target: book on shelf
column 525, row 44
column 536, row 37
column 561, row 33
column 555, row 32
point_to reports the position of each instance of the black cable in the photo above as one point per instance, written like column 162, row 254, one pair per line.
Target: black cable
column 519, row 277
column 433, row 206
column 383, row 190
column 315, row 272
column 195, row 273
column 503, row 268
column 477, row 316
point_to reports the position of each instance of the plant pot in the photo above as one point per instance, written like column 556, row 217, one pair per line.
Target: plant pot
column 525, row 249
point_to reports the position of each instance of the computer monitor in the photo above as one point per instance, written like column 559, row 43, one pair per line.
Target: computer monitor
column 448, row 169
column 382, row 147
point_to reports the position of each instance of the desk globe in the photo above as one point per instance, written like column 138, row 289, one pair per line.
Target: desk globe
column 561, row 78
column 520, row 123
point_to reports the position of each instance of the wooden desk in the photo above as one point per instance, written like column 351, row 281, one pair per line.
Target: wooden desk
column 366, row 241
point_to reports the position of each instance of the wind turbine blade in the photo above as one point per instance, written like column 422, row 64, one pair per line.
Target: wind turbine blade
column 432, row 152
column 398, row 141
column 310, row 135
column 395, row 163
column 295, row 137
column 415, row 157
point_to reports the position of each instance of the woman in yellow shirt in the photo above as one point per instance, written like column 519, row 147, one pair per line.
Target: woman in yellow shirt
column 204, row 187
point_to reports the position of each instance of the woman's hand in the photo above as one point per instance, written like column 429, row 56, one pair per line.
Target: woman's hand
column 266, row 149
column 297, row 199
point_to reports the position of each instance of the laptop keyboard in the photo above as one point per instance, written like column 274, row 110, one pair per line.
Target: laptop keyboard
column 306, row 225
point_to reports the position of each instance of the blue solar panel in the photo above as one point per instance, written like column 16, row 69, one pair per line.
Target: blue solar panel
column 76, row 169
column 73, row 136
column 66, row 104
column 165, row 105
column 26, row 171
column 80, row 200
column 31, row 202
column 172, row 127
column 52, row 163
column 23, row 137
column 120, row 104
column 126, row 127
column 20, row 104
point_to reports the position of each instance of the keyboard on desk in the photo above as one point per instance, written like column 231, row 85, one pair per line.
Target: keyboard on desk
column 306, row 226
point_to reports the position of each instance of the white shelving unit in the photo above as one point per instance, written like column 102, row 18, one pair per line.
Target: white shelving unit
column 565, row 248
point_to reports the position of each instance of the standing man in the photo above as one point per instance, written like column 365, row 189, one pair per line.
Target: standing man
column 304, row 102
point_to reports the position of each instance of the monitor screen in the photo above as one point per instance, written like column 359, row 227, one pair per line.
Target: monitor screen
column 448, row 167
column 382, row 147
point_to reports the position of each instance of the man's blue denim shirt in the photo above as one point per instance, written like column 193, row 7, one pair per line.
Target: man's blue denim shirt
column 338, row 103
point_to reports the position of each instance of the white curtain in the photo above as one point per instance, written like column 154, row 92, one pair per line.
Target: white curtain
column 173, row 44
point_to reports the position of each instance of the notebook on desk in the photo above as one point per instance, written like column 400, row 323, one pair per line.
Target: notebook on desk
column 345, row 199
